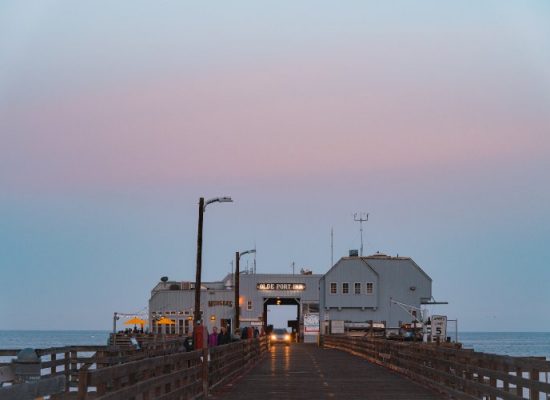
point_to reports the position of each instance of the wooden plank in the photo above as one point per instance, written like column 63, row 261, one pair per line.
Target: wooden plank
column 25, row 391
column 444, row 369
column 142, row 386
column 9, row 352
column 6, row 374
column 483, row 388
column 493, row 374
column 123, row 370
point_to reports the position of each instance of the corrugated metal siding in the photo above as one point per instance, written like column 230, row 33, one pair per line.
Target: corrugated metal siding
column 392, row 277
column 351, row 271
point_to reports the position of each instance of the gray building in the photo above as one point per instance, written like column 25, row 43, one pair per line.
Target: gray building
column 363, row 289
column 354, row 290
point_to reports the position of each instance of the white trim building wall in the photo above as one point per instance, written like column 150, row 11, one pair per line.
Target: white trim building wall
column 377, row 278
column 381, row 279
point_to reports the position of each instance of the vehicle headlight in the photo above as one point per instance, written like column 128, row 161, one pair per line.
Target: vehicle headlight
column 273, row 337
column 287, row 337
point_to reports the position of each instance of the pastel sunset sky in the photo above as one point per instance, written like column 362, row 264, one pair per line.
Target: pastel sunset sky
column 116, row 116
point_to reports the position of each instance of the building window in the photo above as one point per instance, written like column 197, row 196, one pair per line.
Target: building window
column 345, row 288
column 370, row 288
column 357, row 288
column 333, row 288
column 249, row 305
column 181, row 329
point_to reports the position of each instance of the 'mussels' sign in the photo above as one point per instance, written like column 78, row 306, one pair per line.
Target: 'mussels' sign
column 281, row 286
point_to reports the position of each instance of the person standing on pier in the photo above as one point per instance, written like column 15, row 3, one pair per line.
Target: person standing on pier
column 224, row 337
column 213, row 337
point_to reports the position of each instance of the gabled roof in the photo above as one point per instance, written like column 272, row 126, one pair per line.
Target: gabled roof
column 385, row 257
column 347, row 259
column 379, row 257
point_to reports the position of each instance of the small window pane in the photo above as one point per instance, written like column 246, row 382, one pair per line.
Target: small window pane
column 370, row 288
column 333, row 288
column 345, row 288
column 357, row 289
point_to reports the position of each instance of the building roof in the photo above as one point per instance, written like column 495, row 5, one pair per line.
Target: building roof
column 379, row 256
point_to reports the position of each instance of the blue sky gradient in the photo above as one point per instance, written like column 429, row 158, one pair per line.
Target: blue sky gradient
column 115, row 117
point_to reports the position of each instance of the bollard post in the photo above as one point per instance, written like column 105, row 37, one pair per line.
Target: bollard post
column 27, row 366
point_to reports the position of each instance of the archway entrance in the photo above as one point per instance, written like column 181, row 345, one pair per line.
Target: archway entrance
column 282, row 312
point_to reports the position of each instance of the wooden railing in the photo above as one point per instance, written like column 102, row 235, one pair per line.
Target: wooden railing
column 174, row 376
column 460, row 373
column 69, row 360
column 159, row 370
column 228, row 360
column 177, row 374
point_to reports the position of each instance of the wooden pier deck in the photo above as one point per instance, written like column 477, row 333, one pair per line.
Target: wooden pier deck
column 342, row 368
column 305, row 371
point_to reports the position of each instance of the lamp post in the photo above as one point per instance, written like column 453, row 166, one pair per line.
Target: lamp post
column 200, row 334
column 237, row 282
column 202, row 209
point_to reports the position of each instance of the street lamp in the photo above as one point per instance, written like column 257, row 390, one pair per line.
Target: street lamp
column 202, row 209
column 200, row 335
column 237, row 272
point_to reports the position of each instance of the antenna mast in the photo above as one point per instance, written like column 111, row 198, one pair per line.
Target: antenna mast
column 254, row 259
column 331, row 247
column 361, row 217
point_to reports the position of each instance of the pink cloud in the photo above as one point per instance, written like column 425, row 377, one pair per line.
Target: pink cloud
column 290, row 120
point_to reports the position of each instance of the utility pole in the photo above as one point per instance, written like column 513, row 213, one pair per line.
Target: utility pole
column 199, row 266
column 361, row 217
column 237, row 306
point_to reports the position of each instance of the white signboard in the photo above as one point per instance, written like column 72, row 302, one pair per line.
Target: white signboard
column 337, row 327
column 280, row 286
column 439, row 327
column 311, row 324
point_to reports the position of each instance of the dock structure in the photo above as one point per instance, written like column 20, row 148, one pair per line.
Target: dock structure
column 304, row 371
column 341, row 366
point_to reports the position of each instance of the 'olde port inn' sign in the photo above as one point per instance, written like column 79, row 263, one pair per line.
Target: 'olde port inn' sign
column 281, row 286
column 214, row 303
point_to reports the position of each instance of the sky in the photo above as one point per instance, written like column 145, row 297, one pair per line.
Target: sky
column 116, row 117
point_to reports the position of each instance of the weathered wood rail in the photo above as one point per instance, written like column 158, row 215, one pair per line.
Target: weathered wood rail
column 69, row 360
column 162, row 370
column 228, row 360
column 460, row 373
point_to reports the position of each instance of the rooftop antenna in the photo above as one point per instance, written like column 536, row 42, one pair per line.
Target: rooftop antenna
column 331, row 246
column 255, row 252
column 254, row 261
column 361, row 217
column 293, row 265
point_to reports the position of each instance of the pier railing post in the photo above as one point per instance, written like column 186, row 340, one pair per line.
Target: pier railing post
column 205, row 372
column 67, row 369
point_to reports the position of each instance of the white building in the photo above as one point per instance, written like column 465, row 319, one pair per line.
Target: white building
column 363, row 289
column 355, row 289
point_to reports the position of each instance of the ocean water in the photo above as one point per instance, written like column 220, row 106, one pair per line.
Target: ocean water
column 527, row 344
column 505, row 343
column 44, row 339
